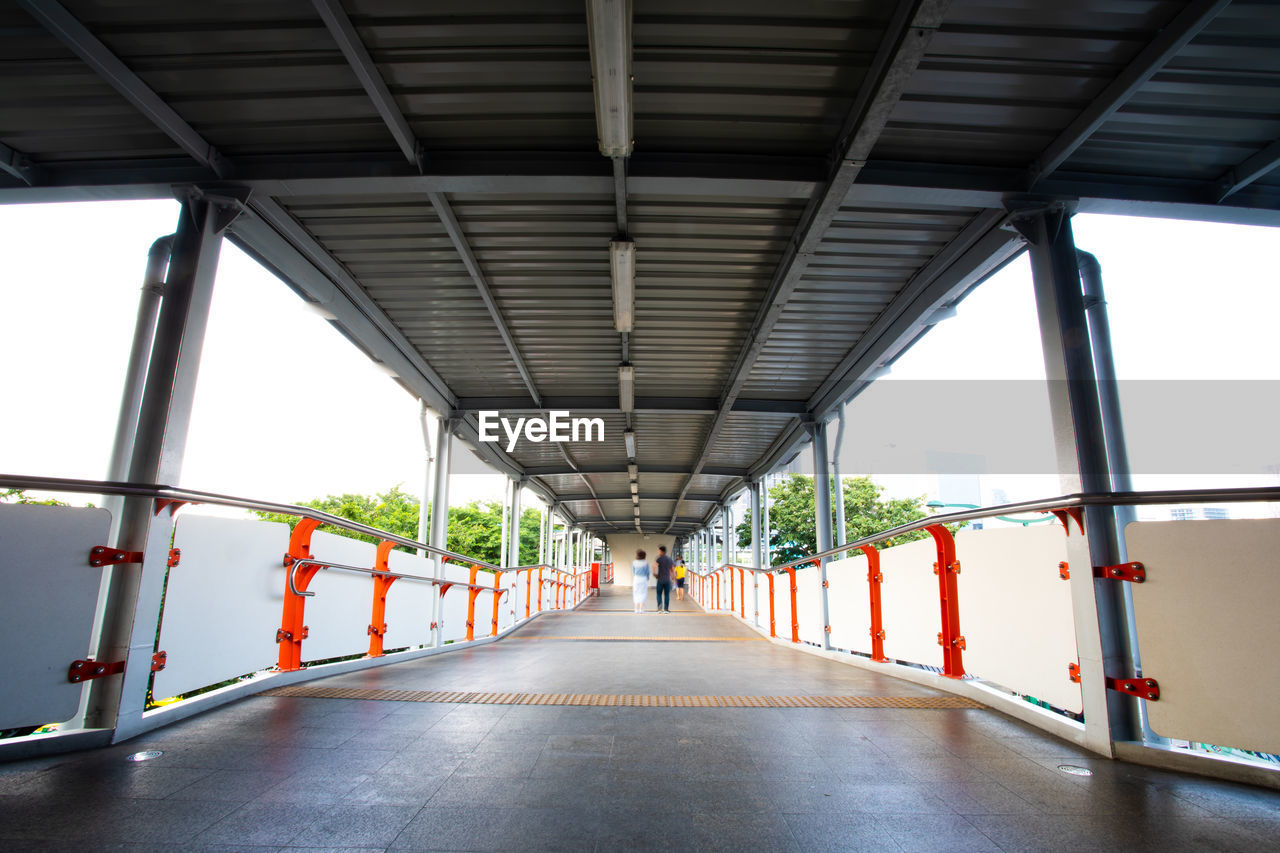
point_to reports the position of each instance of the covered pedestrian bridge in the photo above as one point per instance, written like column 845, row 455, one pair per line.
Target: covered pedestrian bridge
column 515, row 208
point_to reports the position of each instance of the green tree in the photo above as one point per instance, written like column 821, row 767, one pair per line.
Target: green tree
column 19, row 496
column 475, row 529
column 791, row 516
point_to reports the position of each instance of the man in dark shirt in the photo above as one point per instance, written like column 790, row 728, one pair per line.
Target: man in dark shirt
column 665, row 572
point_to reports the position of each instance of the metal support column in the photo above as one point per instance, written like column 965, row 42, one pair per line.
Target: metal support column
column 757, row 551
column 765, row 532
column 440, row 515
column 429, row 448
column 504, row 528
column 132, row 606
column 822, row 513
column 1102, row 636
column 841, row 536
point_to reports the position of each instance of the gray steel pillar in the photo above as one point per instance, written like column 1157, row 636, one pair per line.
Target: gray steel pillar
column 428, row 446
column 440, row 514
column 841, row 536
column 504, row 531
column 765, row 533
column 513, row 550
column 822, row 513
column 757, row 551
column 134, row 591
column 1102, row 636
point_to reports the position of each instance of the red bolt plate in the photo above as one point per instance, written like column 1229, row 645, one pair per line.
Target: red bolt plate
column 1073, row 672
column 87, row 670
column 1064, row 571
column 101, row 555
column 175, row 557
column 1133, row 572
column 1143, row 688
column 158, row 661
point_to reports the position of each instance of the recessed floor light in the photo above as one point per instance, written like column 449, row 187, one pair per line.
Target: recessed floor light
column 1074, row 770
column 145, row 755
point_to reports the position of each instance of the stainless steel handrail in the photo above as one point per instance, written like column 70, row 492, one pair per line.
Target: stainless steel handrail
column 1147, row 498
column 142, row 490
column 324, row 564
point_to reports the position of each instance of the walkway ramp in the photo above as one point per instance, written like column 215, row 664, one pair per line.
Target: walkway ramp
column 516, row 745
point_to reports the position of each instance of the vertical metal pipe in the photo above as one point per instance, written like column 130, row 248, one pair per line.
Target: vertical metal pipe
column 765, row 533
column 841, row 536
column 513, row 550
column 136, row 372
column 503, row 528
column 822, row 513
column 428, row 446
column 132, row 604
column 440, row 515
column 757, row 551
column 1101, row 626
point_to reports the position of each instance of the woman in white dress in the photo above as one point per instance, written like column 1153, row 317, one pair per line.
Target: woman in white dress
column 640, row 587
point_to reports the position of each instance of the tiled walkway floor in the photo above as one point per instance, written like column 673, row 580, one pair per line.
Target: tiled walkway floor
column 288, row 773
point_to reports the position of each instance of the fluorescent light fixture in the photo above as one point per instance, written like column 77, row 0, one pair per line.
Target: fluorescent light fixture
column 635, row 489
column 627, row 390
column 609, row 39
column 622, row 269
column 629, row 438
column 633, row 469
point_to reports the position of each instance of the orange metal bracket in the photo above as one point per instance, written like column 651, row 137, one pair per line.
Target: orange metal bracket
column 1143, row 688
column 472, row 594
column 292, row 632
column 1064, row 571
column 1132, row 572
column 1064, row 515
column 381, row 584
column 1073, row 672
column 168, row 503
column 497, row 577
column 874, row 579
column 101, row 555
column 948, row 567
column 87, row 670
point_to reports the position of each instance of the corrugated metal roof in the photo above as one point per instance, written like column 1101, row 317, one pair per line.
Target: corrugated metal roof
column 747, row 321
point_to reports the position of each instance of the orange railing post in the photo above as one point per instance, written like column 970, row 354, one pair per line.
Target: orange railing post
column 874, row 577
column 497, row 577
column 472, row 593
column 540, row 589
column 772, row 623
column 742, row 594
column 729, row 572
column 795, row 617
column 528, row 591
column 381, row 584
column 292, row 632
column 947, row 567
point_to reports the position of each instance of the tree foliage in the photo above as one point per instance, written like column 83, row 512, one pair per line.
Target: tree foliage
column 475, row 529
column 19, row 496
column 792, row 525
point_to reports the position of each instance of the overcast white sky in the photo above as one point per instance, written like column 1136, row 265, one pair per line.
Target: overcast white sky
column 287, row 410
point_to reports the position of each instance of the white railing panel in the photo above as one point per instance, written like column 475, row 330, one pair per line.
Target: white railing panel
column 223, row 602
column 850, row 601
column 337, row 616
column 782, row 604
column 809, row 605
column 909, row 603
column 1015, row 611
column 453, row 607
column 50, row 593
column 1206, row 625
column 408, row 602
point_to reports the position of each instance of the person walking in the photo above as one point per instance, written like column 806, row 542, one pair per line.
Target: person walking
column 640, row 586
column 666, row 570
column 681, row 571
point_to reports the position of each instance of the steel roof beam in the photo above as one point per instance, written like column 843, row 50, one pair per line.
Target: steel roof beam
column 626, row 496
column 67, row 29
column 1171, row 39
column 585, row 403
column 1239, row 177
column 903, row 45
column 19, row 165
column 981, row 248
column 362, row 64
column 621, row 468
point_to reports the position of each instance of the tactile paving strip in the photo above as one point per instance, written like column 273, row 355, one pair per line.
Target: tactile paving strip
column 624, row 700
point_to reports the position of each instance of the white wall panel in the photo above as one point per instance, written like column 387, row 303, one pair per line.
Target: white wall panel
column 337, row 616
column 453, row 609
column 1206, row 628
column 850, row 602
column 1015, row 611
column 223, row 602
column 781, row 603
column 50, row 593
column 809, row 604
column 909, row 603
column 408, row 602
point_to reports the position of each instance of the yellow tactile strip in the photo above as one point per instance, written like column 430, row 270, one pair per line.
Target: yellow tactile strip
column 624, row 700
